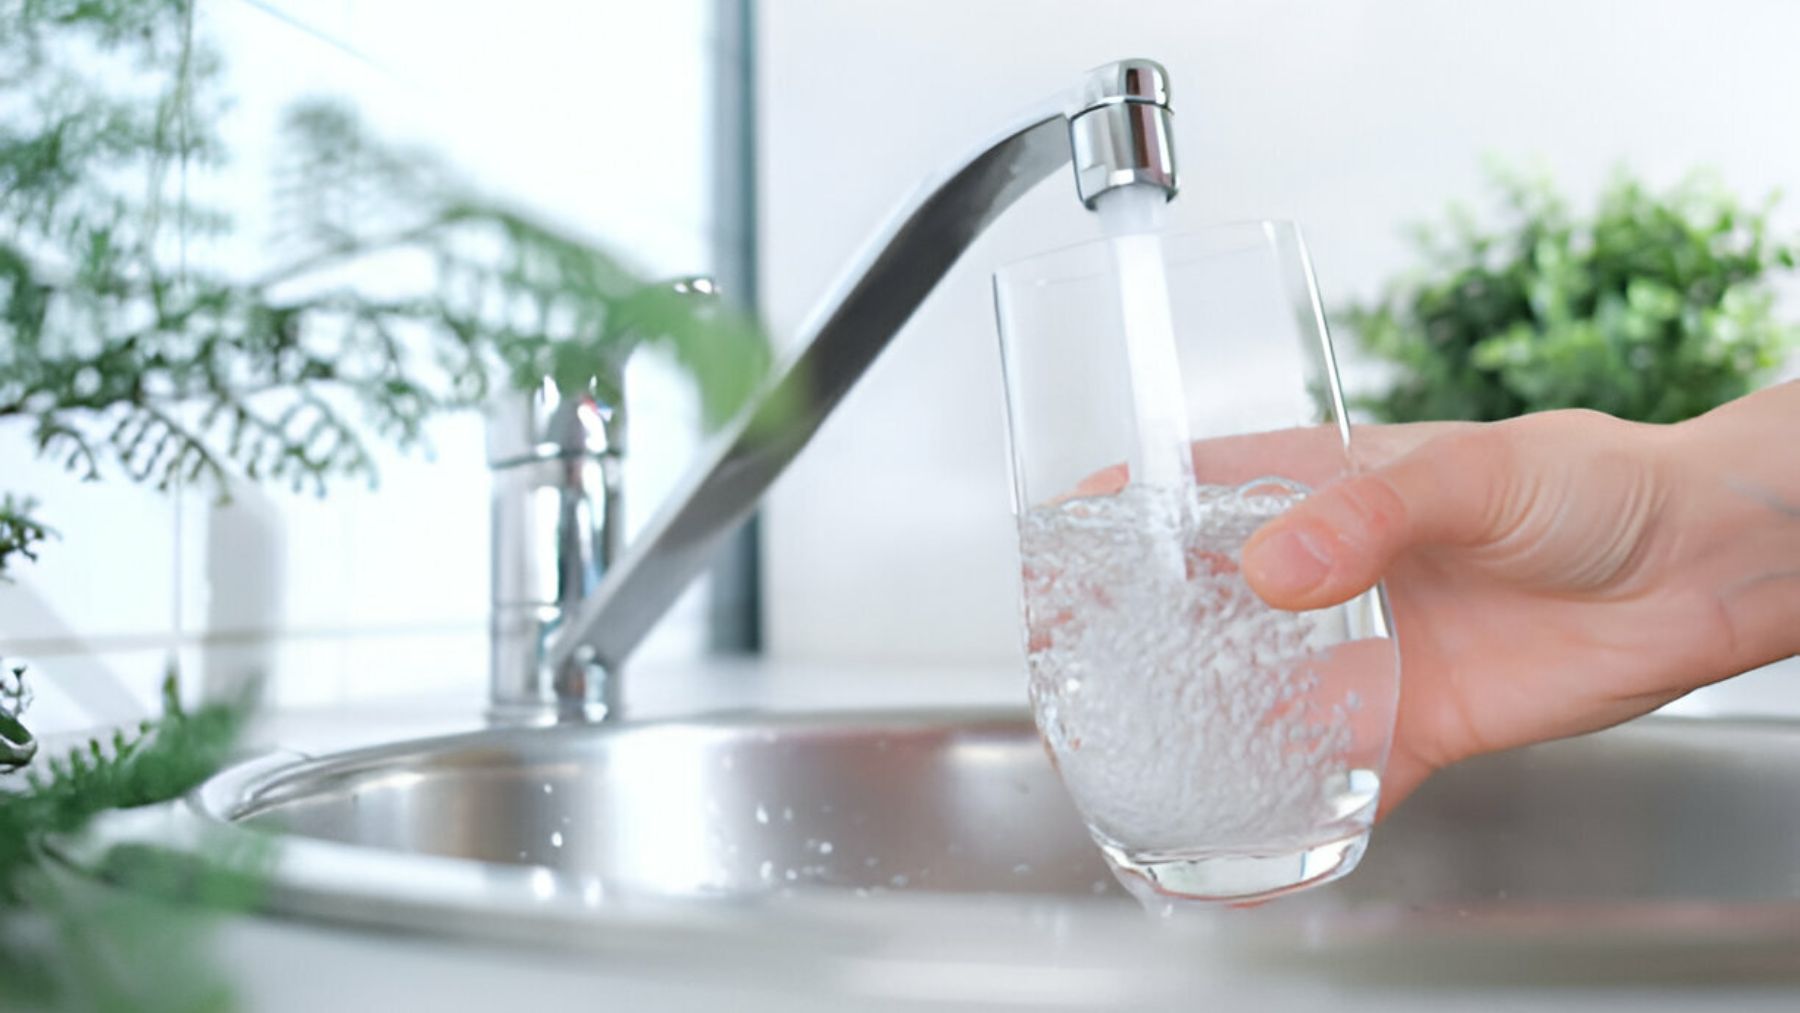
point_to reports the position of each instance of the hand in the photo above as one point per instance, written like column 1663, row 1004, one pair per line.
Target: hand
column 1557, row 573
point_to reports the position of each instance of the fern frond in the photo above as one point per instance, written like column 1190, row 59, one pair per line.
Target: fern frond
column 20, row 530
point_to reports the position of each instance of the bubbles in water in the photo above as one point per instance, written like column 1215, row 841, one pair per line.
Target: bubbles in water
column 556, row 839
column 766, row 870
column 762, row 814
column 787, row 813
column 549, row 789
column 1181, row 709
column 899, row 880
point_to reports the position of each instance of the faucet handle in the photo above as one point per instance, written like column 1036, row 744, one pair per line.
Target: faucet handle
column 544, row 424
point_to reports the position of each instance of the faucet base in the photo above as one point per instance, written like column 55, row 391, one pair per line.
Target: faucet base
column 537, row 714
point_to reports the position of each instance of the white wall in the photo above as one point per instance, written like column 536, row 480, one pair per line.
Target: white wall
column 593, row 114
column 891, row 538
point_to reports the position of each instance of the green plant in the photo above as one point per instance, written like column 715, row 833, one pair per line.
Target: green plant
column 123, row 350
column 1656, row 307
column 19, row 531
column 66, row 943
column 126, row 350
column 17, row 745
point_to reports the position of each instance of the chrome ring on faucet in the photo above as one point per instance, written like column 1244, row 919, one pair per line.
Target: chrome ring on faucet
column 1123, row 133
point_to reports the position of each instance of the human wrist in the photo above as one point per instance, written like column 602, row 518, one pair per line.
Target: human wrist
column 1733, row 526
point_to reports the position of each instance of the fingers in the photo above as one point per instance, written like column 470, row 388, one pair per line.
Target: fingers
column 1310, row 454
column 1404, row 774
column 1339, row 541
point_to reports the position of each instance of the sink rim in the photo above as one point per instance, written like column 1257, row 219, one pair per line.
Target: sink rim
column 338, row 882
column 250, row 787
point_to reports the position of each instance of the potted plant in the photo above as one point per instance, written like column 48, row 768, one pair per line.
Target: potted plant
column 1655, row 306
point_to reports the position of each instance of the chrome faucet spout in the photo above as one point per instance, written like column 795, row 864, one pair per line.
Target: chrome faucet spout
column 1116, row 129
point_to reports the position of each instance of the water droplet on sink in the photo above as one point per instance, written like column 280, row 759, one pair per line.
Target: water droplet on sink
column 1021, row 869
column 762, row 815
column 522, row 854
column 548, row 789
column 543, row 884
column 767, row 871
column 556, row 839
column 898, row 881
column 862, row 891
column 824, row 847
column 787, row 813
column 592, row 893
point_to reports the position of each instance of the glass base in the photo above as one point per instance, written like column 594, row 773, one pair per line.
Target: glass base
column 1232, row 877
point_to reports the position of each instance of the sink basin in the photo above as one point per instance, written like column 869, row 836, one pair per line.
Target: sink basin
column 1662, row 848
column 730, row 808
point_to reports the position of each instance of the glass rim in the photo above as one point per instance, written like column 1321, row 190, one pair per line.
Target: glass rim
column 1009, row 271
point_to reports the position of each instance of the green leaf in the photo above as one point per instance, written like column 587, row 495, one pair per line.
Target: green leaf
column 20, row 530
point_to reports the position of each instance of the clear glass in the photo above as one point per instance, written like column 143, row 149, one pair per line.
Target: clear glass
column 1166, row 396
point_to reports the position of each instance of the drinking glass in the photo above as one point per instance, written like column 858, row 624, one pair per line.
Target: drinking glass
column 1166, row 396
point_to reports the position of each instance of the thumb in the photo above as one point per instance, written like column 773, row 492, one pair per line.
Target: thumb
column 1336, row 543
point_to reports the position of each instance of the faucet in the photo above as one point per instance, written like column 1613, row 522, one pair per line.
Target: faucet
column 556, row 527
column 568, row 605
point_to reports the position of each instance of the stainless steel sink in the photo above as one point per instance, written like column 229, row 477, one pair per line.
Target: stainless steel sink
column 724, row 808
column 1663, row 848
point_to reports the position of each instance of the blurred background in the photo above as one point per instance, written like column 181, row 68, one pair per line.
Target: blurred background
column 763, row 143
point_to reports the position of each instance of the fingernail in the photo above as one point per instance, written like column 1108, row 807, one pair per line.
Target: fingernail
column 1289, row 562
